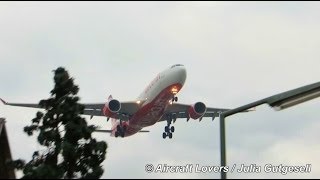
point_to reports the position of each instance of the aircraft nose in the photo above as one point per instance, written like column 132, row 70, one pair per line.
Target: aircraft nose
column 182, row 74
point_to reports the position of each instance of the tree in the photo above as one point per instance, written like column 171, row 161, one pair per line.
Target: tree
column 70, row 150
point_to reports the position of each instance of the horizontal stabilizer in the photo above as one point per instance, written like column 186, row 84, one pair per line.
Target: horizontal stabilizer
column 144, row 131
column 105, row 131
column 109, row 131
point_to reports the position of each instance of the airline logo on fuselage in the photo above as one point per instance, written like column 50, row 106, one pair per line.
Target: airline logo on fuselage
column 158, row 107
column 155, row 112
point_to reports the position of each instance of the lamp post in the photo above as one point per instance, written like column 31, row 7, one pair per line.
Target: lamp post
column 278, row 102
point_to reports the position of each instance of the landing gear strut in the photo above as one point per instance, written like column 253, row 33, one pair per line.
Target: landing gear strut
column 121, row 129
column 168, row 130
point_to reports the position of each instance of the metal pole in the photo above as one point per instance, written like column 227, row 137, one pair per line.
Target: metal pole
column 272, row 101
column 223, row 115
column 223, row 145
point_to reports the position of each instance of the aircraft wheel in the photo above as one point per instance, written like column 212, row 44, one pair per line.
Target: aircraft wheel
column 166, row 129
column 122, row 134
column 176, row 99
column 170, row 135
column 116, row 134
column 172, row 128
column 164, row 135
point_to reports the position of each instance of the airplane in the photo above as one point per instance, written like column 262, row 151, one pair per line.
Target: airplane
column 155, row 104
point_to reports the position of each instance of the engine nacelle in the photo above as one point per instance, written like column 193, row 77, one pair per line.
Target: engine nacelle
column 197, row 110
column 111, row 107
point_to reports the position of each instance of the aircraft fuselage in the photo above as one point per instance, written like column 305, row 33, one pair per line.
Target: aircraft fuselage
column 156, row 98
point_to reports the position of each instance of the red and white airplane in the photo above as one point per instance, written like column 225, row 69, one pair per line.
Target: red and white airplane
column 155, row 104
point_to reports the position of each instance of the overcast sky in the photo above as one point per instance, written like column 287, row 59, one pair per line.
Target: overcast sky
column 234, row 52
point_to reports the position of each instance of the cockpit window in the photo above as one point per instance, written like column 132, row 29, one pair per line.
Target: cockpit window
column 176, row 65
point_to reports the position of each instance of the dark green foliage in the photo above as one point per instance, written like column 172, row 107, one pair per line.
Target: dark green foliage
column 71, row 152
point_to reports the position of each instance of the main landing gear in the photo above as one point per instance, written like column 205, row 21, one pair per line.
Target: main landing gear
column 167, row 129
column 121, row 129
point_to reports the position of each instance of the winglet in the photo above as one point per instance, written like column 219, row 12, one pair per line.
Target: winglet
column 4, row 102
column 110, row 97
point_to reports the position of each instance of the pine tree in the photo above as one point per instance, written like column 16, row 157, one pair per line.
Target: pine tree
column 70, row 152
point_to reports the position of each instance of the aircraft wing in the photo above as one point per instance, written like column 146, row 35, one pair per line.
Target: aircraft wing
column 93, row 109
column 20, row 104
column 181, row 111
column 126, row 111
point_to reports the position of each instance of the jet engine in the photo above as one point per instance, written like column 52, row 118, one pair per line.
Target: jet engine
column 111, row 107
column 197, row 110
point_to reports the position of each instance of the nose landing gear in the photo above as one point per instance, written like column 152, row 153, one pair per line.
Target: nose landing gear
column 174, row 99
